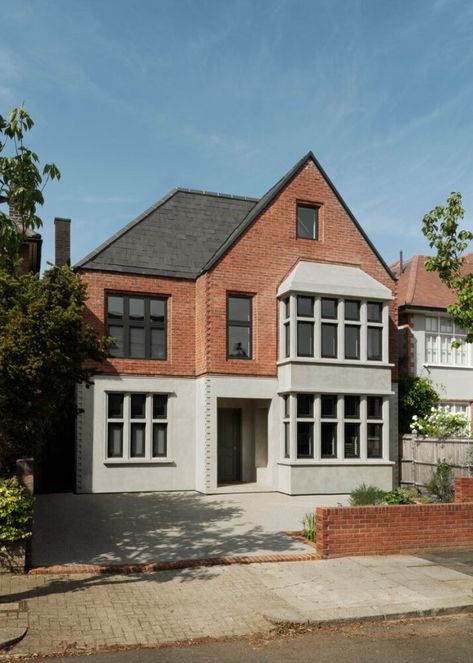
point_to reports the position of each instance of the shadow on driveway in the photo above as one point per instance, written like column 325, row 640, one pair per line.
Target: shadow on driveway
column 159, row 527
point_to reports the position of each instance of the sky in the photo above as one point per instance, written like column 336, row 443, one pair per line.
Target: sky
column 132, row 98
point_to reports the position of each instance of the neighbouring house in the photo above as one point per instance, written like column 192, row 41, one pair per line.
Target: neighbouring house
column 427, row 333
column 255, row 343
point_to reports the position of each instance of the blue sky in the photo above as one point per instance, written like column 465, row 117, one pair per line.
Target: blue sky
column 133, row 98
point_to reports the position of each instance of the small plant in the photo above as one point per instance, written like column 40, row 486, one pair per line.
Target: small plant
column 16, row 511
column 309, row 526
column 441, row 424
column 441, row 484
column 399, row 496
column 365, row 495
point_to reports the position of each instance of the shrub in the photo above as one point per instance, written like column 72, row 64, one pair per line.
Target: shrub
column 309, row 526
column 365, row 495
column 416, row 397
column 399, row 496
column 441, row 483
column 16, row 511
column 441, row 423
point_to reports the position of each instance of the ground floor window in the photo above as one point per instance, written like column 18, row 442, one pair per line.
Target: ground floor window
column 337, row 426
column 136, row 426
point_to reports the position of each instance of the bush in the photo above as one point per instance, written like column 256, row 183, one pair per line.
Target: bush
column 441, row 423
column 441, row 484
column 416, row 397
column 16, row 511
column 309, row 526
column 365, row 495
column 399, row 496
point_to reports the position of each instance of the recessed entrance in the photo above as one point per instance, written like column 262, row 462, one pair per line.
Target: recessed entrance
column 229, row 445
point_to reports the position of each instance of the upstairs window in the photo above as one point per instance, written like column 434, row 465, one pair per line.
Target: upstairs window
column 138, row 325
column 440, row 334
column 307, row 222
column 239, row 327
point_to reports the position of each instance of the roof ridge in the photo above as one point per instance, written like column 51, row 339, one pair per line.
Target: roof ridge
column 216, row 194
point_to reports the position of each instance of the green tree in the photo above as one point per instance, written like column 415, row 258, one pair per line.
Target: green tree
column 417, row 396
column 441, row 226
column 21, row 183
column 45, row 346
column 45, row 350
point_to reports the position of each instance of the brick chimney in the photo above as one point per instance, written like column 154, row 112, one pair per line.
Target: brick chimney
column 62, row 241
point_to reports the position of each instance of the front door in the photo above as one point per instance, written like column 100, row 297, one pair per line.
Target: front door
column 229, row 445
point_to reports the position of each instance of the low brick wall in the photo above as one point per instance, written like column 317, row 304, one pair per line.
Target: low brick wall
column 397, row 529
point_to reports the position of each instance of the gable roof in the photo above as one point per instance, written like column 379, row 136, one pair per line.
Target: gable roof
column 188, row 231
column 419, row 288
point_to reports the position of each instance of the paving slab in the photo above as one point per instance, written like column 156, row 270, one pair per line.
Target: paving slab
column 142, row 528
column 74, row 613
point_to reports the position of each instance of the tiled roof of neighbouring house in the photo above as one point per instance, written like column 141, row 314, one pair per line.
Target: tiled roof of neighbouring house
column 418, row 287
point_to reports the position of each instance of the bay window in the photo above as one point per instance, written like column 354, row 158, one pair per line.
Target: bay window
column 440, row 334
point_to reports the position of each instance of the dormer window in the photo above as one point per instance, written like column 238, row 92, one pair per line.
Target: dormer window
column 307, row 222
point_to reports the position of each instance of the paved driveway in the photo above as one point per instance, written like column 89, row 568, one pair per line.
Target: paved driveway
column 158, row 527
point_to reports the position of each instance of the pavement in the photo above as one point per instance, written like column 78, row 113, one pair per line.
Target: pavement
column 143, row 528
column 81, row 613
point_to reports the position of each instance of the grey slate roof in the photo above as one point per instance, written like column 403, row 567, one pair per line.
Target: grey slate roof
column 175, row 237
column 188, row 231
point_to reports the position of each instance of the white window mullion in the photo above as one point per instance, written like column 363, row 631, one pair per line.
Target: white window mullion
column 340, row 428
column 363, row 428
column 341, row 329
column 292, row 427
column 385, row 428
column 317, row 428
column 149, row 426
column 364, row 331
column 317, row 327
column 293, row 326
column 126, row 426
column 385, row 332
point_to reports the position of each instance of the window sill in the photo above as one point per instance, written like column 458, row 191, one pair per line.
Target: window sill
column 333, row 362
column 334, row 461
column 449, row 366
column 138, row 461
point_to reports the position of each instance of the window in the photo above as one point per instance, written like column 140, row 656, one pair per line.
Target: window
column 239, row 316
column 330, row 328
column 138, row 325
column 441, row 332
column 307, row 222
column 334, row 426
column 136, row 426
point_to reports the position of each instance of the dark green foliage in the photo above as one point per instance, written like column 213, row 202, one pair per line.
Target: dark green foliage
column 21, row 183
column 417, row 396
column 441, row 484
column 365, row 495
column 441, row 228
column 399, row 496
column 44, row 347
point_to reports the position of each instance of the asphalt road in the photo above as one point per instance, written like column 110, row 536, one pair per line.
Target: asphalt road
column 438, row 640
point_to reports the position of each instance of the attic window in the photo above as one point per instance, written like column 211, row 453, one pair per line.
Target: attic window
column 307, row 222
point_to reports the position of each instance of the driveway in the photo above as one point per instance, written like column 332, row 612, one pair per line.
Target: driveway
column 160, row 527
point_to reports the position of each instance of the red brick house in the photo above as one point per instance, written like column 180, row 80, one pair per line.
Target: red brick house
column 255, row 343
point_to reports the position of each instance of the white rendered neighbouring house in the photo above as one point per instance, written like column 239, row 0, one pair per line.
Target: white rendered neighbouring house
column 427, row 333
column 255, row 344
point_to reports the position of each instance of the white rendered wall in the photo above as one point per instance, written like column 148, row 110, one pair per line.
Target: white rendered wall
column 96, row 475
column 452, row 383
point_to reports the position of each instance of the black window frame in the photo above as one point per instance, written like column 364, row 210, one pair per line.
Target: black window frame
column 315, row 208
column 241, row 324
column 147, row 324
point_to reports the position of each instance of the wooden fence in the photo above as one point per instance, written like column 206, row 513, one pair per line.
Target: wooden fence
column 419, row 458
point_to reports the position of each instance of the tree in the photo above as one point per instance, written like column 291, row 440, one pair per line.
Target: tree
column 441, row 227
column 45, row 346
column 45, row 350
column 21, row 183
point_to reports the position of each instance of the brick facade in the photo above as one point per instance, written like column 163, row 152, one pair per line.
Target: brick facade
column 397, row 529
column 256, row 264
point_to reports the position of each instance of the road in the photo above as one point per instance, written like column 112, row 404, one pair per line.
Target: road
column 434, row 640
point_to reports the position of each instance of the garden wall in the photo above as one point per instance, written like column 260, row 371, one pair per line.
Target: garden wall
column 397, row 529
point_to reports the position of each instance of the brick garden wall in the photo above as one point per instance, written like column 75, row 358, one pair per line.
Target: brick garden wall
column 397, row 529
